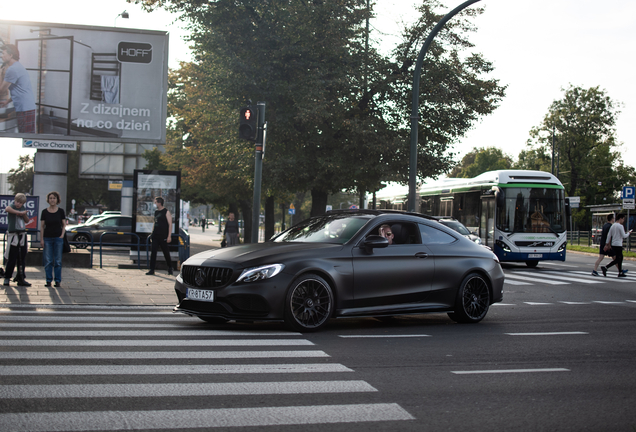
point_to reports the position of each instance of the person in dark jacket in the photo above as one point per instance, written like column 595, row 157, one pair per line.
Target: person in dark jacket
column 602, row 253
column 161, row 236
column 231, row 231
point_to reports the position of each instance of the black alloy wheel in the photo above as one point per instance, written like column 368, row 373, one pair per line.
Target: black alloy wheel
column 83, row 239
column 473, row 300
column 309, row 303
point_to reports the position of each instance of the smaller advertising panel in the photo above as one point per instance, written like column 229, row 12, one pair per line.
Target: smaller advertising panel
column 147, row 185
column 31, row 206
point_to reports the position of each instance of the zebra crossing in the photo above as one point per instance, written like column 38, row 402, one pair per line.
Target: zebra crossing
column 563, row 277
column 113, row 369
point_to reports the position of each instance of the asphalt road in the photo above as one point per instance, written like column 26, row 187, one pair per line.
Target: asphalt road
column 557, row 354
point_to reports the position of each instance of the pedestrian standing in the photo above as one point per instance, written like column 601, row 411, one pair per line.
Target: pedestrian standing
column 17, row 218
column 52, row 224
column 231, row 231
column 602, row 253
column 161, row 236
column 615, row 238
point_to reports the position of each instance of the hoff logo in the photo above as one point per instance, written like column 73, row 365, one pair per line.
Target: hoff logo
column 134, row 52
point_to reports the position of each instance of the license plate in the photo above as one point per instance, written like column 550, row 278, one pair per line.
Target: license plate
column 200, row 295
column 535, row 255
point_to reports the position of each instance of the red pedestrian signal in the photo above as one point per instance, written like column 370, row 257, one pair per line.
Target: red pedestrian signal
column 248, row 123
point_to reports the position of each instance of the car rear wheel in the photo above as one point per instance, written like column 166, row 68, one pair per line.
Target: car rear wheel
column 309, row 303
column 83, row 240
column 473, row 300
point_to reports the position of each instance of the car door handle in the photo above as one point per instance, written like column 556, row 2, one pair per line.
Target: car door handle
column 421, row 255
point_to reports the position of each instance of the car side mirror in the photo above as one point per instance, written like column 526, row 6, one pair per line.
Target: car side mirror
column 374, row 241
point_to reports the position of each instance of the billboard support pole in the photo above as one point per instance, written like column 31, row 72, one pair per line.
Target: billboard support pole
column 259, row 150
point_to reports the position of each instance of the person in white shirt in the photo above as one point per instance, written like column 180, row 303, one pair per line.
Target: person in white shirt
column 615, row 237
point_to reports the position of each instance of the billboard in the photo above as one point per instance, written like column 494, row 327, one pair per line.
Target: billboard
column 31, row 206
column 148, row 184
column 85, row 83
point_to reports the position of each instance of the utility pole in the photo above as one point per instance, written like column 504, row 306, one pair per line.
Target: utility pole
column 259, row 152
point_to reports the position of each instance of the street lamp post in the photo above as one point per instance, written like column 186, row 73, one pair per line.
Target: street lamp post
column 416, row 101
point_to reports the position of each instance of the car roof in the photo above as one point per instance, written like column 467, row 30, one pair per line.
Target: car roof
column 370, row 212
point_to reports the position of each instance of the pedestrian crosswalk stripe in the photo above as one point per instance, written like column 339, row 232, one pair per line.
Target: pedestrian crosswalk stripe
column 203, row 418
column 515, row 282
column 535, row 279
column 554, row 275
column 610, row 278
column 181, row 369
column 134, row 355
column 148, row 343
column 181, row 389
column 140, row 333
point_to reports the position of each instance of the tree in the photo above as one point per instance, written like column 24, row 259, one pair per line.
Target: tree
column 336, row 108
column 481, row 160
column 21, row 178
column 590, row 165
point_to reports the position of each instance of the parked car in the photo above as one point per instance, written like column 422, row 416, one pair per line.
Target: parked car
column 336, row 266
column 96, row 217
column 456, row 225
column 108, row 223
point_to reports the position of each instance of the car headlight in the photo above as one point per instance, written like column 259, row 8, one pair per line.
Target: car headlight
column 477, row 240
column 259, row 273
column 562, row 247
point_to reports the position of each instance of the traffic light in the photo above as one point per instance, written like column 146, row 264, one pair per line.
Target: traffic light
column 248, row 123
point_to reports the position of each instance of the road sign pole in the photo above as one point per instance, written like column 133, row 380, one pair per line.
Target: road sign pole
column 258, row 171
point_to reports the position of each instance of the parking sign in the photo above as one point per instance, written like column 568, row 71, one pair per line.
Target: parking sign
column 629, row 192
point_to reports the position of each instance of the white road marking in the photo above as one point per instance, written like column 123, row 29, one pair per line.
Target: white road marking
column 537, row 303
column 120, row 355
column 166, row 343
column 535, row 279
column 554, row 275
column 170, row 369
column 145, row 333
column 383, row 336
column 502, row 371
column 548, row 333
column 205, row 418
column 514, row 282
column 180, row 389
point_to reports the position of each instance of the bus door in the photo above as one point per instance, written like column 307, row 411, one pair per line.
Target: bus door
column 487, row 221
column 446, row 207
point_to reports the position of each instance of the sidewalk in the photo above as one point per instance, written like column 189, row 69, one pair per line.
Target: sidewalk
column 106, row 286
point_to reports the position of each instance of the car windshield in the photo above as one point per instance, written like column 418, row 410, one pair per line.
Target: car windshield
column 324, row 229
column 457, row 226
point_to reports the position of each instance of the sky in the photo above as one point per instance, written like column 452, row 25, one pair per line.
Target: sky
column 538, row 48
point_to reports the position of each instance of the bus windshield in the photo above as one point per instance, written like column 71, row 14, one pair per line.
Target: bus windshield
column 532, row 210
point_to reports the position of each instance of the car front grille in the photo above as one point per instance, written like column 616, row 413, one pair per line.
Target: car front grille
column 208, row 277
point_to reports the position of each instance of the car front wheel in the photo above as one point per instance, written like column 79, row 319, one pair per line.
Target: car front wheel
column 309, row 303
column 83, row 241
column 473, row 300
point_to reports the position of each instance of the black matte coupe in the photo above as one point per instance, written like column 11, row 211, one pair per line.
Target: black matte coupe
column 338, row 265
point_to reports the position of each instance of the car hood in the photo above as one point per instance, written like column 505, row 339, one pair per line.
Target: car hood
column 248, row 254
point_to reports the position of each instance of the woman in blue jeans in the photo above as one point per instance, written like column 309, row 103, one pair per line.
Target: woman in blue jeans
column 53, row 222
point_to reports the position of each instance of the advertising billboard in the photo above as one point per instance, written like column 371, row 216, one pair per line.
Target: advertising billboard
column 85, row 83
column 31, row 206
column 149, row 184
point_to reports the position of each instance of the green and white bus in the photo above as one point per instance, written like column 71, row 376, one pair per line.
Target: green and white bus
column 520, row 215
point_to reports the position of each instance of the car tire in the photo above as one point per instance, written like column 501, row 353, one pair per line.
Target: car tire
column 532, row 264
column 473, row 300
column 309, row 303
column 213, row 320
column 83, row 239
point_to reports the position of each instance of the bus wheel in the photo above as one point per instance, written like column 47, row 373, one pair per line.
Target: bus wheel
column 532, row 264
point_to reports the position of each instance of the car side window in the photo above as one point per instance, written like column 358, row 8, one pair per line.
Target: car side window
column 398, row 233
column 432, row 235
column 109, row 222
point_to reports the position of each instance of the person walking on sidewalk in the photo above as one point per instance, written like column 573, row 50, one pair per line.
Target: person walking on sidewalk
column 615, row 237
column 231, row 231
column 52, row 224
column 161, row 236
column 17, row 218
column 602, row 253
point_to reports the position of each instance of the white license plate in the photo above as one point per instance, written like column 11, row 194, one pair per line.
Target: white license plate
column 201, row 295
column 535, row 255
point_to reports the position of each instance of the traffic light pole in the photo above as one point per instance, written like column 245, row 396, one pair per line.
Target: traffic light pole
column 259, row 150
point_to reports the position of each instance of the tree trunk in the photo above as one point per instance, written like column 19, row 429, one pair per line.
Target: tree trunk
column 270, row 223
column 246, row 209
column 318, row 202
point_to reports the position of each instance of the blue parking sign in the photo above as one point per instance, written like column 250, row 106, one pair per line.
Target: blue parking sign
column 629, row 192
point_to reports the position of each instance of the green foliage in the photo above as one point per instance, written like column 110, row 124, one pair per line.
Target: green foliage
column 589, row 162
column 336, row 108
column 21, row 178
column 481, row 160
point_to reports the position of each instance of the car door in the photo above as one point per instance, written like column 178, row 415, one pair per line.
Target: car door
column 398, row 274
column 109, row 224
